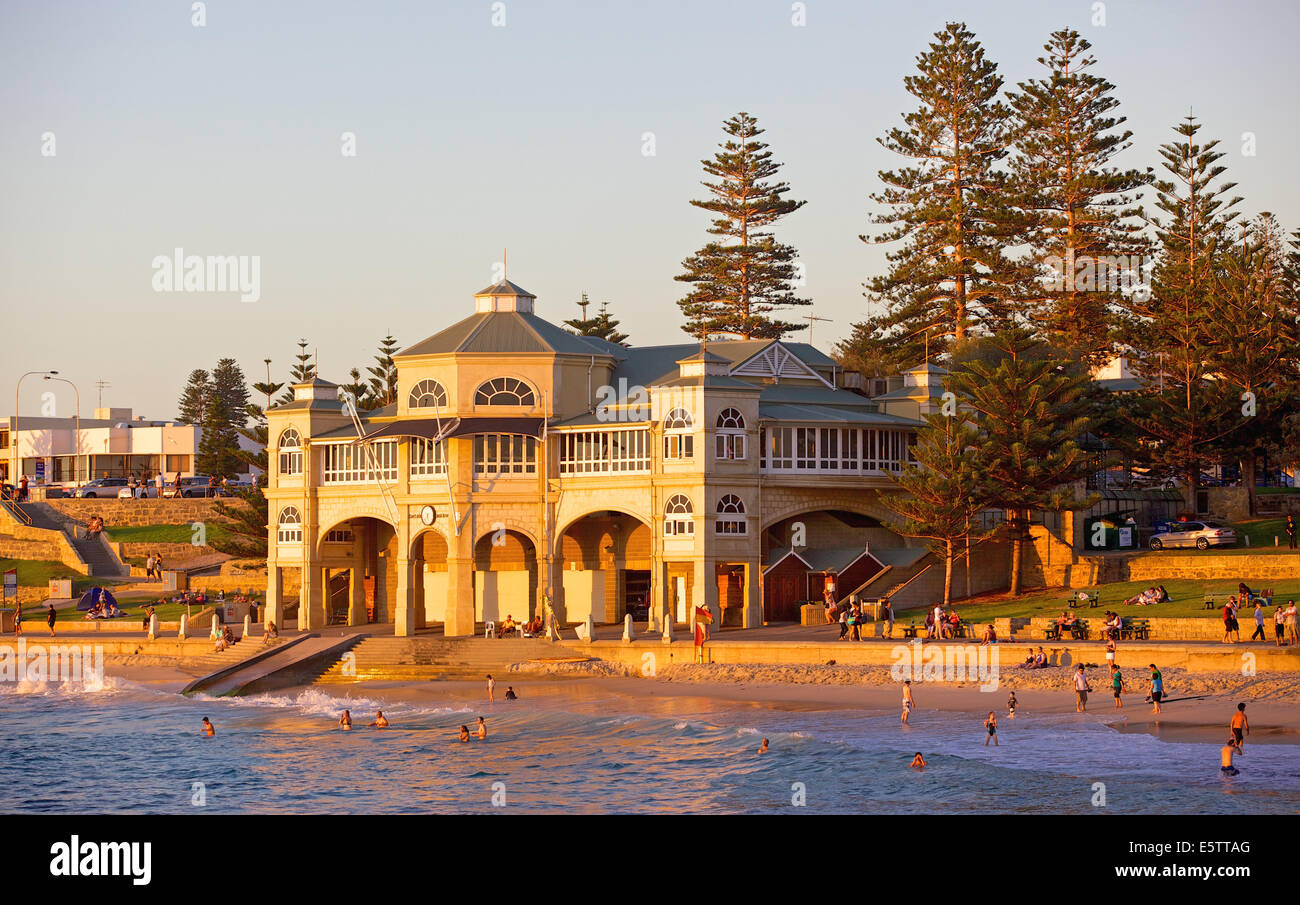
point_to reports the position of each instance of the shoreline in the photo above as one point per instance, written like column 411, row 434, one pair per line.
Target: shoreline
column 1186, row 717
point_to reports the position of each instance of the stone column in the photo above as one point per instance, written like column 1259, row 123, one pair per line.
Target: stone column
column 274, row 596
column 404, row 615
column 458, row 620
column 705, row 592
column 658, row 594
column 356, row 596
column 311, row 611
column 753, row 612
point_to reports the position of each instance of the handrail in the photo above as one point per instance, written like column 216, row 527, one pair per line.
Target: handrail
column 14, row 509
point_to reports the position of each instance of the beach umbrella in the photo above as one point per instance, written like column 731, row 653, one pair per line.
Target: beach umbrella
column 703, row 615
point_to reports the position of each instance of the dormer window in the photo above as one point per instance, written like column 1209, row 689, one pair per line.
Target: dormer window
column 679, row 442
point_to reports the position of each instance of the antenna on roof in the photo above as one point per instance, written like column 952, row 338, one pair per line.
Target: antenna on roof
column 102, row 385
column 810, row 318
column 505, row 264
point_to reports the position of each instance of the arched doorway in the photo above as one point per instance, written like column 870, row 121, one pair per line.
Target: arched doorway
column 358, row 561
column 505, row 576
column 604, row 568
column 429, row 585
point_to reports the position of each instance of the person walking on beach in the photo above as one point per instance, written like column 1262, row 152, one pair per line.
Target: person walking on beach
column 1291, row 637
column 18, row 618
column 207, row 729
column 908, row 703
column 991, row 724
column 492, row 687
column 1225, row 758
column 1157, row 689
column 1081, row 690
column 1229, row 609
column 1240, row 726
column 49, row 619
column 887, row 616
column 1259, row 621
column 1279, row 625
column 1117, row 685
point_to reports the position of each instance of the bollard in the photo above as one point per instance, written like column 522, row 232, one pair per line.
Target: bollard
column 591, row 629
column 668, row 630
column 248, row 624
column 185, row 623
column 1247, row 540
column 153, row 626
column 627, row 629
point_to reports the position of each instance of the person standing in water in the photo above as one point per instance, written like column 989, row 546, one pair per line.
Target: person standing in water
column 908, row 704
column 918, row 762
column 482, row 729
column 345, row 721
column 207, row 728
column 1225, row 757
column 464, row 733
column 991, row 724
column 762, row 749
column 492, row 687
column 381, row 721
column 1011, row 706
column 1081, row 690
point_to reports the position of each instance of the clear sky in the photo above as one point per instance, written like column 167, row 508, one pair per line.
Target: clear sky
column 470, row 137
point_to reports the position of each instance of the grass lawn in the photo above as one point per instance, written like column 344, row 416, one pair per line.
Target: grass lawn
column 36, row 573
column 1261, row 532
column 1186, row 600
column 166, row 534
column 134, row 609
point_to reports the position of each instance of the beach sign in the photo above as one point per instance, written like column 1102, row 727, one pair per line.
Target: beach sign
column 11, row 583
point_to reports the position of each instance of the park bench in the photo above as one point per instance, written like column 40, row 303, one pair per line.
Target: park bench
column 1082, row 598
column 1135, row 629
column 909, row 630
column 1211, row 600
column 1078, row 631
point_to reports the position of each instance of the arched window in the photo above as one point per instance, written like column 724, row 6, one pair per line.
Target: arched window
column 731, row 516
column 428, row 393
column 504, row 391
column 679, row 518
column 290, row 453
column 679, row 443
column 290, row 527
column 729, row 440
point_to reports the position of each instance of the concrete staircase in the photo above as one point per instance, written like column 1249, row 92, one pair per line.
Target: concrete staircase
column 206, row 664
column 94, row 551
column 439, row 658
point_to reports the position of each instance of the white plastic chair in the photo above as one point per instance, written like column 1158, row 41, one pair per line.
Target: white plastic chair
column 490, row 630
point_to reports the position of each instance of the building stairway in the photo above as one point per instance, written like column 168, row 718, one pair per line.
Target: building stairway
column 438, row 658
column 94, row 551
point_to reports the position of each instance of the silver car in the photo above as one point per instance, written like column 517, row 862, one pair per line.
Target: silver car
column 1201, row 535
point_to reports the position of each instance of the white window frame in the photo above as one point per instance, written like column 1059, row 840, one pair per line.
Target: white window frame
column 348, row 463
column 505, row 454
column 525, row 396
column 731, row 521
column 679, row 516
column 427, row 387
column 729, row 437
column 288, row 526
column 290, row 450
column 620, row 451
column 428, row 458
column 679, row 439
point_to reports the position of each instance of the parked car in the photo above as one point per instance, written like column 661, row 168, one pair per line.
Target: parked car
column 101, row 487
column 197, row 486
column 1201, row 535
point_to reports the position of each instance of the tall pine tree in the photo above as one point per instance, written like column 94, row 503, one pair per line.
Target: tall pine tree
column 223, row 416
column 949, row 208
column 602, row 326
column 744, row 276
column 194, row 397
column 942, row 493
column 383, row 376
column 302, row 371
column 1028, row 413
column 1180, row 413
column 1082, row 225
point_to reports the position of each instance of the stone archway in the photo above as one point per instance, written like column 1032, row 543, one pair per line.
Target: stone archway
column 505, row 576
column 604, row 567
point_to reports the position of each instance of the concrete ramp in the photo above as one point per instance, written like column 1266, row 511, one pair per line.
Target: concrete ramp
column 298, row 662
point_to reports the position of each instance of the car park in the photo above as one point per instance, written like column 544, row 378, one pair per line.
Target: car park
column 101, row 488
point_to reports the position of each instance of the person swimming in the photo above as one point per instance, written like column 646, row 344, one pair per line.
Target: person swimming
column 381, row 721
column 1225, row 757
column 464, row 733
column 207, row 727
column 481, row 731
column 763, row 748
column 345, row 721
column 918, row 762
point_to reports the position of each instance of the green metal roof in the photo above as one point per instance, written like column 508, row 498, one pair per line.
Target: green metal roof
column 507, row 333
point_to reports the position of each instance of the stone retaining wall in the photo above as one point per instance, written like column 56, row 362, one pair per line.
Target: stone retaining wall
column 13, row 548
column 141, row 512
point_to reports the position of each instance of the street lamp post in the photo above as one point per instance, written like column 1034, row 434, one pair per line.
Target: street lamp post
column 76, row 443
column 13, row 439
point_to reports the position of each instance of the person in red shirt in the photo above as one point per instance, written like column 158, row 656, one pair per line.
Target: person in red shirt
column 701, row 635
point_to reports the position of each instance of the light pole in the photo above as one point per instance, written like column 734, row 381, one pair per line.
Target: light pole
column 13, row 440
column 76, row 443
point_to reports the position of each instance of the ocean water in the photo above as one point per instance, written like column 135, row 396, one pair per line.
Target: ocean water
column 122, row 748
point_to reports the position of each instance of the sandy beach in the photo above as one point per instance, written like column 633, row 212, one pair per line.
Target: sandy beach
column 1197, row 706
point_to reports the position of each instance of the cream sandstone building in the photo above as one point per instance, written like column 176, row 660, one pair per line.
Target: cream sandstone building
column 523, row 465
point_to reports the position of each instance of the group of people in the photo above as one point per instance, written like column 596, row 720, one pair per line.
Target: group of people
column 101, row 610
column 508, row 627
column 226, row 639
column 1150, row 596
column 1284, row 622
column 1036, row 660
column 939, row 624
column 852, row 617
column 94, row 526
